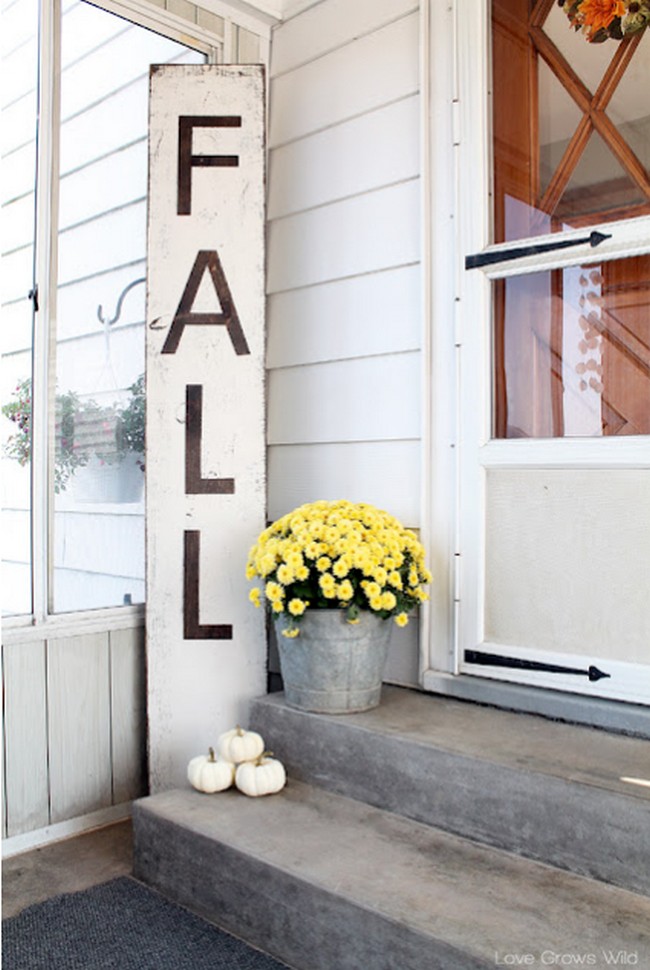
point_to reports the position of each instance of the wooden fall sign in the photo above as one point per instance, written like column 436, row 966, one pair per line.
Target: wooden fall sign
column 205, row 371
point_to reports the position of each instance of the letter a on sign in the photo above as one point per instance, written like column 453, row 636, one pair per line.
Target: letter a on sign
column 184, row 316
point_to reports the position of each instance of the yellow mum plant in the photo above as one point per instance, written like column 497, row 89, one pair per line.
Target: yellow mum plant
column 342, row 555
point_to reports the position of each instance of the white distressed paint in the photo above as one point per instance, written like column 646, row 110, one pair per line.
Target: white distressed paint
column 198, row 688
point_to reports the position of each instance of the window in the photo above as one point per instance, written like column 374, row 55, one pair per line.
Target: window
column 74, row 237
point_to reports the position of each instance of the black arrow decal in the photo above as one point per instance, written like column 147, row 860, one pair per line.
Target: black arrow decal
column 515, row 663
column 505, row 255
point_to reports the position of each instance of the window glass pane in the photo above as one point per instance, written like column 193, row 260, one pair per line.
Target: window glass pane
column 571, row 126
column 572, row 351
column 18, row 132
column 99, row 502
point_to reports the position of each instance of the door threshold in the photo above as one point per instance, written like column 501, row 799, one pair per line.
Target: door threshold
column 608, row 715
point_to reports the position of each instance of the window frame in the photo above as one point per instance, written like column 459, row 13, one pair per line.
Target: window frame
column 217, row 48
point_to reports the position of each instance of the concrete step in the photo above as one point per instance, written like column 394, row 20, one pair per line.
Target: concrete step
column 324, row 882
column 545, row 790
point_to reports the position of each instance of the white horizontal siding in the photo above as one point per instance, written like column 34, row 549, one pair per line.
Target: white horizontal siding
column 383, row 473
column 364, row 399
column 79, row 301
column 110, row 240
column 104, row 184
column 343, row 274
column 378, row 68
column 18, row 168
column 329, row 321
column 329, row 25
column 378, row 230
column 379, row 148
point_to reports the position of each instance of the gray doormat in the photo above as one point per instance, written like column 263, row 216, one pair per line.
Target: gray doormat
column 121, row 925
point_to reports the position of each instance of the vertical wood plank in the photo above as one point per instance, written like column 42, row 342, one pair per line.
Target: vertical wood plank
column 79, row 725
column 128, row 714
column 25, row 736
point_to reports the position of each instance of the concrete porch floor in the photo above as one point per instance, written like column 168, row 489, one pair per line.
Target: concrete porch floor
column 66, row 866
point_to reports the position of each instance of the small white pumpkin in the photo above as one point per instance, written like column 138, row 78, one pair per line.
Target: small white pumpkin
column 239, row 745
column 208, row 774
column 264, row 776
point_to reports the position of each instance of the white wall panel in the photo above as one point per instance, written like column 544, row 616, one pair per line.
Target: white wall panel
column 25, row 736
column 365, row 399
column 375, row 231
column 79, row 725
column 367, row 152
column 128, row 714
column 373, row 314
column 376, row 69
column 384, row 473
column 329, row 25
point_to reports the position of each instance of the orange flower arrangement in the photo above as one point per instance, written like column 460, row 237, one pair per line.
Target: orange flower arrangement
column 599, row 20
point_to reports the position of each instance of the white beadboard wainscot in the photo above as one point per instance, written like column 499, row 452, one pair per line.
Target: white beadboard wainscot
column 74, row 725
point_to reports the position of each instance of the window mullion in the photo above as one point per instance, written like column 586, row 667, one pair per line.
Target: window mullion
column 44, row 391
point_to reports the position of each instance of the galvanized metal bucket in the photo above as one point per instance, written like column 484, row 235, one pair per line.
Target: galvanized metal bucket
column 334, row 667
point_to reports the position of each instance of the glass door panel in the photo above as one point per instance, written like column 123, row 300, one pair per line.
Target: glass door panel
column 585, row 160
column 572, row 352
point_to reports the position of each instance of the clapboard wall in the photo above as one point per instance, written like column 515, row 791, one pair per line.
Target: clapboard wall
column 344, row 282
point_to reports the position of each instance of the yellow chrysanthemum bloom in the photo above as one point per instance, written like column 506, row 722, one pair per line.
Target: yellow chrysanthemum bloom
column 285, row 574
column 388, row 600
column 401, row 619
column 302, row 573
column 376, row 603
column 294, row 560
column 380, row 575
column 341, row 568
column 297, row 607
column 313, row 550
column 277, row 607
column 371, row 589
column 323, row 564
column 345, row 590
column 274, row 592
column 395, row 579
column 254, row 595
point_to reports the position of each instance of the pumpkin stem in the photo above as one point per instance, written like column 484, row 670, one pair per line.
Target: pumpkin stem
column 240, row 732
column 211, row 756
column 264, row 754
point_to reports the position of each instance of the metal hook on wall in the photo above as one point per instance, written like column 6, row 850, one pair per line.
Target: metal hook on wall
column 118, row 310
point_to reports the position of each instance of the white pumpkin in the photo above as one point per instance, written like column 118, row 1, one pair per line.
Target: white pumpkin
column 264, row 776
column 208, row 774
column 239, row 745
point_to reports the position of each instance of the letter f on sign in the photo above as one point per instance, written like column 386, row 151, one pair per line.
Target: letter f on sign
column 187, row 161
